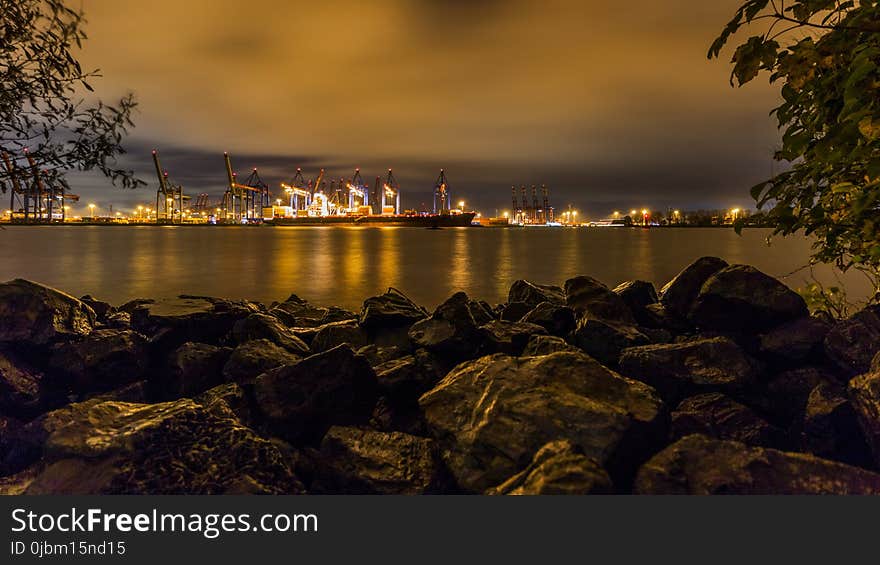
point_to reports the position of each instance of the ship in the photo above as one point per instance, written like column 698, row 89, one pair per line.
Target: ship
column 464, row 219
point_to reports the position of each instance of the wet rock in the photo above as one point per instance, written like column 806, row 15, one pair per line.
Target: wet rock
column 590, row 298
column 451, row 332
column 514, row 311
column 637, row 294
column 532, row 294
column 684, row 369
column 605, row 340
column 358, row 461
column 133, row 305
column 557, row 320
column 404, row 380
column 253, row 358
column 390, row 310
column 302, row 401
column 558, row 468
column 118, row 321
column 178, row 447
column 296, row 312
column 795, row 341
column 26, row 391
column 31, row 313
column 194, row 368
column 137, row 392
column 720, row 417
column 15, row 454
column 263, row 326
column 378, row 355
column 172, row 323
column 700, row 465
column 102, row 309
column 102, row 360
column 228, row 400
column 490, row 416
column 481, row 312
column 741, row 298
column 788, row 392
column 338, row 333
column 547, row 344
column 508, row 337
column 678, row 296
column 853, row 342
column 864, row 392
column 831, row 428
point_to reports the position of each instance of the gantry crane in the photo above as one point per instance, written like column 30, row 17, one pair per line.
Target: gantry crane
column 167, row 196
column 244, row 202
column 357, row 189
column 297, row 190
column 33, row 197
column 390, row 190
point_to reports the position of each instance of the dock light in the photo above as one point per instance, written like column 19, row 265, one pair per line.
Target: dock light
column 633, row 212
column 461, row 205
column 506, row 215
column 616, row 214
column 92, row 210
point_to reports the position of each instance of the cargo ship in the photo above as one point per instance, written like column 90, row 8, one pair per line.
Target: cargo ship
column 422, row 221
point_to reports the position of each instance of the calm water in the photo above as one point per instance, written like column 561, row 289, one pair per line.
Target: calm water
column 343, row 265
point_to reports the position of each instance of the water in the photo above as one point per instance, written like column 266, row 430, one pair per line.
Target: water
column 344, row 265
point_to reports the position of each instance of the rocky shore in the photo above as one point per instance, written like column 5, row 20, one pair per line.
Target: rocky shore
column 722, row 382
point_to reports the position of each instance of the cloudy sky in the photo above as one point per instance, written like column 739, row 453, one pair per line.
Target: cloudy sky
column 611, row 104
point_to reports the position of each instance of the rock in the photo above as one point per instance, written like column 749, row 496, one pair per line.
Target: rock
column 864, row 393
column 263, row 326
column 118, row 321
column 638, row 295
column 793, row 342
column 604, row 341
column 853, row 342
column 450, row 333
column 357, row 461
column 194, row 368
column 684, row 369
column 101, row 309
column 788, row 392
column 137, row 393
column 490, row 416
column 740, row 298
column 404, row 380
column 720, row 417
column 678, row 296
column 172, row 323
column 590, row 298
column 514, row 311
column 508, row 337
column 378, row 355
column 831, row 428
column 253, row 358
column 338, row 333
column 31, row 313
column 547, row 344
column 102, row 360
column 228, row 400
column 296, row 312
column 557, row 320
column 25, row 391
column 558, row 468
column 390, row 310
column 133, row 305
column 15, row 454
column 302, row 401
column 532, row 294
column 700, row 465
column 178, row 447
column 481, row 312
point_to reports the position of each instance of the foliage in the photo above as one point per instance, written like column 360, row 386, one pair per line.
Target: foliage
column 43, row 106
column 825, row 54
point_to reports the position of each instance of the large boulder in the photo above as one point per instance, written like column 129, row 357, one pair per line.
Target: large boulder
column 547, row 344
column 451, row 332
column 701, row 465
column 716, row 415
column 302, row 401
column 684, row 369
column 179, row 447
column 638, row 295
column 490, row 416
column 741, row 298
column 338, row 333
column 590, row 298
column 605, row 340
column 853, row 342
column 102, row 309
column 831, row 428
column 102, row 360
column 402, row 381
column 263, row 326
column 25, row 390
column 296, row 312
column 31, row 313
column 789, row 391
column 360, row 461
column 253, row 358
column 558, row 468
column 511, row 338
column 192, row 369
column 558, row 320
column 481, row 312
column 15, row 453
column 794, row 342
column 864, row 392
column 532, row 294
column 171, row 323
column 390, row 310
column 678, row 296
column 514, row 311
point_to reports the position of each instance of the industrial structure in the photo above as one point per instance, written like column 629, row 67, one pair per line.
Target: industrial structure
column 244, row 202
column 169, row 196
column 33, row 197
column 532, row 213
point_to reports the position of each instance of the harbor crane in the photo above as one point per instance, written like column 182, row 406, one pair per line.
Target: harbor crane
column 244, row 202
column 357, row 189
column 167, row 195
column 34, row 198
column 442, row 199
column 297, row 190
column 390, row 193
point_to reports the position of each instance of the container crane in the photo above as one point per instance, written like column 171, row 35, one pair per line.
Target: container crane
column 167, row 194
column 241, row 200
column 442, row 199
column 357, row 189
column 390, row 192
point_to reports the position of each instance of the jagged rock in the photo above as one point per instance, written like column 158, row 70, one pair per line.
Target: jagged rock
column 558, row 468
column 864, row 392
column 378, row 355
column 118, row 321
column 31, row 313
column 533, row 294
column 605, row 340
column 405, row 379
column 700, row 465
column 557, row 320
column 390, row 310
column 194, row 368
column 508, row 337
column 547, row 344
column 678, row 296
column 228, row 399
column 788, row 392
column 296, row 312
column 451, row 332
column 831, row 428
column 338, row 333
column 741, row 298
column 481, row 312
column 253, row 358
column 15, row 454
column 102, row 309
column 172, row 323
column 718, row 416
column 178, row 447
column 102, row 360
column 490, row 416
column 853, row 342
column 26, row 391
column 302, row 401
column 684, row 369
column 137, row 392
column 637, row 294
column 263, row 326
column 590, row 298
column 357, row 461
column 795, row 341
column 514, row 311
column 132, row 305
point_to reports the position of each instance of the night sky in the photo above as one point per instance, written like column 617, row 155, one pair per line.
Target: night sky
column 612, row 104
